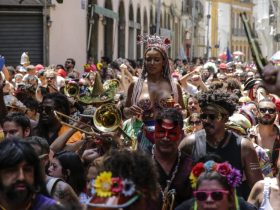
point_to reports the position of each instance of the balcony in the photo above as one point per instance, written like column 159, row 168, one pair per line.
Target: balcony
column 240, row 32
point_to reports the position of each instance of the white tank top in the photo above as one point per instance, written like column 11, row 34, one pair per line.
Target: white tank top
column 265, row 205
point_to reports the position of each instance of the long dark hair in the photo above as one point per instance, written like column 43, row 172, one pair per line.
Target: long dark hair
column 13, row 151
column 72, row 162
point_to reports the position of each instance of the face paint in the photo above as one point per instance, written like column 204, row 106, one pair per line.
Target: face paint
column 168, row 130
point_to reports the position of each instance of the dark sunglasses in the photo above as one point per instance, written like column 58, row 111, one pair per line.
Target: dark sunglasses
column 270, row 110
column 47, row 109
column 195, row 122
column 216, row 195
column 209, row 116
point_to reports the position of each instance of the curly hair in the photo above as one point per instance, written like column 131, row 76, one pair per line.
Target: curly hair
column 219, row 97
column 171, row 114
column 136, row 166
column 232, row 84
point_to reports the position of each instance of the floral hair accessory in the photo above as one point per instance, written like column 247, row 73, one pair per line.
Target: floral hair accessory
column 112, row 192
column 225, row 169
column 105, row 185
column 154, row 41
column 89, row 68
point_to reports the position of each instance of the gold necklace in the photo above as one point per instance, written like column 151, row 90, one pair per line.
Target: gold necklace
column 166, row 192
column 28, row 206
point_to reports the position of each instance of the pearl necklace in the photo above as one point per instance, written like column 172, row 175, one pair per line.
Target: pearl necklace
column 166, row 190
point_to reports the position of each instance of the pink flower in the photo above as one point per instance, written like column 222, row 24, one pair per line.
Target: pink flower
column 117, row 185
column 224, row 169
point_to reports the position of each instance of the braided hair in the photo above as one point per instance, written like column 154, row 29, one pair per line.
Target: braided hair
column 165, row 73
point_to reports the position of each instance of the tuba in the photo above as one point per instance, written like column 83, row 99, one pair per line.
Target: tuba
column 72, row 90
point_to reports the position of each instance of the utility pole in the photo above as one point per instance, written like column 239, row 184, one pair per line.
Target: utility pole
column 158, row 17
column 193, row 27
column 208, row 30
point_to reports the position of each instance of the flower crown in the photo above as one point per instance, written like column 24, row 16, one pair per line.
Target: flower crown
column 106, row 186
column 154, row 41
column 225, row 169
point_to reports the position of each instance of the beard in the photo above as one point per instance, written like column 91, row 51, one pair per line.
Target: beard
column 15, row 196
column 264, row 121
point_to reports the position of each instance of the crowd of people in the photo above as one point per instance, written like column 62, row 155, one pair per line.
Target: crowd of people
column 156, row 134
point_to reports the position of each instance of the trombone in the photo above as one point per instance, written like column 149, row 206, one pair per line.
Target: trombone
column 106, row 118
column 58, row 115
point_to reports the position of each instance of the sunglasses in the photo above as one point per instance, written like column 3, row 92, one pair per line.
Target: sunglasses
column 269, row 110
column 216, row 195
column 209, row 116
column 50, row 78
column 46, row 109
column 195, row 122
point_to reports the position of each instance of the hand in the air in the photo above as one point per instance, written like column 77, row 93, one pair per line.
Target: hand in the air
column 271, row 79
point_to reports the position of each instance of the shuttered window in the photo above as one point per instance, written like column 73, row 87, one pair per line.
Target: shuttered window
column 21, row 30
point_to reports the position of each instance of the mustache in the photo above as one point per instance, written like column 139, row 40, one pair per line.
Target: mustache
column 207, row 125
column 14, row 196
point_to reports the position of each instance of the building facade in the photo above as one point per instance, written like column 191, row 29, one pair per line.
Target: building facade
column 226, row 28
column 115, row 24
column 84, row 29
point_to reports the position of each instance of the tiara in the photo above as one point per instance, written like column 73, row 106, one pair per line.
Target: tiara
column 154, row 41
column 232, row 175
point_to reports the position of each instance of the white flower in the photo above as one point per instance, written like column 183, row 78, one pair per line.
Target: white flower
column 128, row 187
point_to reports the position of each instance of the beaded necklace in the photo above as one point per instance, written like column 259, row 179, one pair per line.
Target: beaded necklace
column 166, row 192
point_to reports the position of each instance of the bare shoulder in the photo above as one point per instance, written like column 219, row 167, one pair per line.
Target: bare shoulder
column 187, row 144
column 247, row 144
column 256, row 194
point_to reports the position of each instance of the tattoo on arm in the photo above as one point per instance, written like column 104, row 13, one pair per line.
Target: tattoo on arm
column 66, row 196
column 254, row 166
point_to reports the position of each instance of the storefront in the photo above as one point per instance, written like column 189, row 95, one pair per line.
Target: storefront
column 21, row 30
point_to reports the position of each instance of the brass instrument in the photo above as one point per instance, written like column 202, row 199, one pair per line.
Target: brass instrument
column 72, row 90
column 260, row 61
column 107, row 118
column 58, row 115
